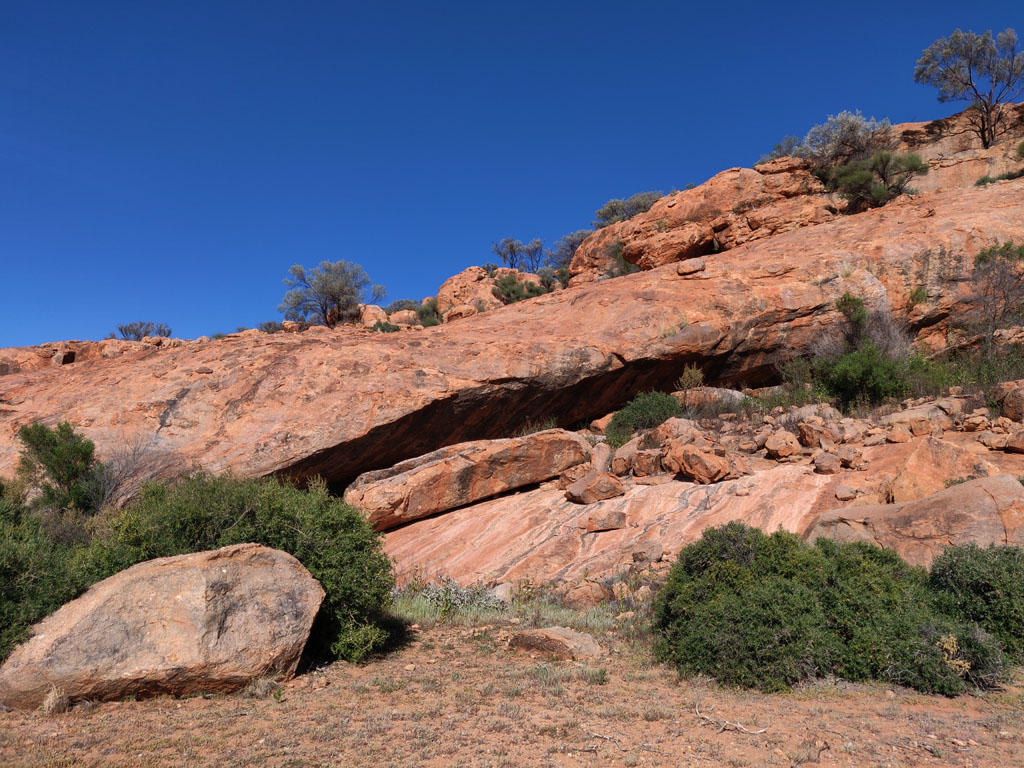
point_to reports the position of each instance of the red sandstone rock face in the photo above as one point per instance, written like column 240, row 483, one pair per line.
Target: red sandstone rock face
column 742, row 204
column 341, row 402
column 954, row 153
column 985, row 511
column 462, row 474
column 471, row 286
column 734, row 207
column 210, row 621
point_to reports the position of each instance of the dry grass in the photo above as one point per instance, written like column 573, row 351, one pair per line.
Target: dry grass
column 456, row 695
column 56, row 702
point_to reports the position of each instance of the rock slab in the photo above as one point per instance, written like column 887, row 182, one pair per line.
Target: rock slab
column 208, row 621
column 461, row 474
column 989, row 510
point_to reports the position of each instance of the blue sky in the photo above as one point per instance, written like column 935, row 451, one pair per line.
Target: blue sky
column 169, row 161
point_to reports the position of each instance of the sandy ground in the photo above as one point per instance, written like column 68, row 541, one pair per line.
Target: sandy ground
column 458, row 696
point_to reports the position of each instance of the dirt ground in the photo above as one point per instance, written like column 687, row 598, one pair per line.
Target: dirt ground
column 457, row 696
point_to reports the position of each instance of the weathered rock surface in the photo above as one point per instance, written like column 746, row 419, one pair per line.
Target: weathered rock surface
column 541, row 536
column 462, row 474
column 556, row 642
column 986, row 511
column 734, row 207
column 930, row 464
column 340, row 402
column 471, row 286
column 592, row 488
column 209, row 621
column 954, row 153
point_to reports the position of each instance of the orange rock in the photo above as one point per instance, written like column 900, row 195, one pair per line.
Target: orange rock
column 594, row 487
column 557, row 643
column 462, row 474
column 702, row 466
column 986, row 511
column 782, row 444
column 470, row 287
column 336, row 403
column 209, row 621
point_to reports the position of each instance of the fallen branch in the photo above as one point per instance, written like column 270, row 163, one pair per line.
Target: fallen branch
column 724, row 725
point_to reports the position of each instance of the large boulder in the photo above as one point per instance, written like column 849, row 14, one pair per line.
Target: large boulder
column 986, row 511
column 209, row 621
column 931, row 464
column 462, row 474
column 472, row 286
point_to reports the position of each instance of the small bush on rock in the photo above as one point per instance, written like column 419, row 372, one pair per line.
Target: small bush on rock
column 768, row 612
column 645, row 411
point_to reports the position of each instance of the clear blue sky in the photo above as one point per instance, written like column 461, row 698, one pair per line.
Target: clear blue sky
column 169, row 161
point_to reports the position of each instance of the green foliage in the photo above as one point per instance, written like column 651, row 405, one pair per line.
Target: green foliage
column 1019, row 154
column 917, row 296
column 328, row 294
column 61, row 464
column 998, row 286
column 646, row 410
column 37, row 573
column 985, row 586
column 141, row 328
column 785, row 148
column 331, row 539
column 984, row 71
column 691, row 377
column 617, row 210
column 526, row 257
column 400, row 304
column 620, row 267
column 510, row 290
column 1008, row 176
column 203, row 512
column 771, row 611
column 845, row 138
column 874, row 181
column 270, row 326
column 428, row 314
column 560, row 257
column 864, row 375
column 383, row 326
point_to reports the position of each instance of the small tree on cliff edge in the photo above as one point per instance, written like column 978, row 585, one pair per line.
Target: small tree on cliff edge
column 328, row 294
column 987, row 72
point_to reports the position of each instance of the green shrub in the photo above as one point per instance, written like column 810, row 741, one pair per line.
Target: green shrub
column 383, row 326
column 37, row 573
column 985, row 586
column 874, row 181
column 863, row 375
column 331, row 539
column 510, row 290
column 617, row 210
column 771, row 611
column 1019, row 154
column 1008, row 176
column 428, row 314
column 400, row 304
column 62, row 465
column 646, row 410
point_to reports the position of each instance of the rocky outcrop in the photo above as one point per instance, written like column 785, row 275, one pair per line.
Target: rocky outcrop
column 461, row 474
column 472, row 286
column 734, row 207
column 986, row 511
column 340, row 402
column 542, row 537
column 210, row 621
column 953, row 150
column 592, row 488
column 743, row 204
